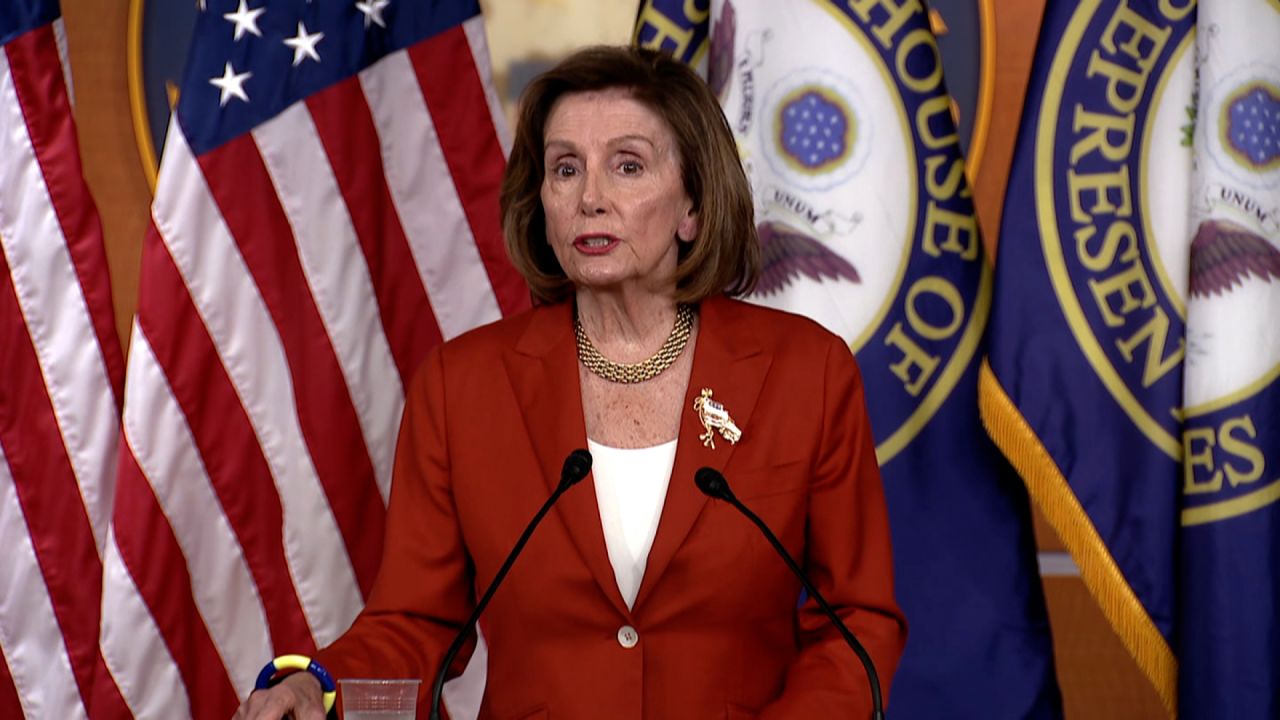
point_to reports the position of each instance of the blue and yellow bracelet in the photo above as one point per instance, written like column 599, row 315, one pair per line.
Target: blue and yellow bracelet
column 300, row 662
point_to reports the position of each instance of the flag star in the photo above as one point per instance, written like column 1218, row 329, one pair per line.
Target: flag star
column 304, row 45
column 231, row 84
column 246, row 20
column 372, row 10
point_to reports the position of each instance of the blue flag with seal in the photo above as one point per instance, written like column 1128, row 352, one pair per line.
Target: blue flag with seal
column 1133, row 362
column 867, row 226
column 1228, row 633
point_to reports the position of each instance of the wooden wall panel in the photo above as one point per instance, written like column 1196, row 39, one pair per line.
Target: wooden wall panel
column 96, row 40
column 1099, row 680
column 1017, row 22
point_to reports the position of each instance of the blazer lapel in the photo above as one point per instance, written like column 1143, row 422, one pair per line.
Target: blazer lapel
column 543, row 371
column 732, row 364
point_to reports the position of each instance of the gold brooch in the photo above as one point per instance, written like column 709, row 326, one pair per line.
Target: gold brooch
column 714, row 417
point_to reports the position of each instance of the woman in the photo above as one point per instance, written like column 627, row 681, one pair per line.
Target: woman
column 626, row 209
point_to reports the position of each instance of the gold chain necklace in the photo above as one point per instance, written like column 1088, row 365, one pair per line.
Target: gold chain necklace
column 645, row 369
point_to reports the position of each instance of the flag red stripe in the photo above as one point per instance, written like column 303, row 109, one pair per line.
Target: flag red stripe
column 155, row 561
column 455, row 97
column 45, row 484
column 42, row 93
column 242, row 188
column 350, row 138
column 237, row 469
column 10, row 706
column 105, row 700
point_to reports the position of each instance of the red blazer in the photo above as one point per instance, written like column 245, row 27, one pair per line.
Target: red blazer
column 488, row 422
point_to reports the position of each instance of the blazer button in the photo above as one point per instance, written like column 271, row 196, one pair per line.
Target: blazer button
column 627, row 636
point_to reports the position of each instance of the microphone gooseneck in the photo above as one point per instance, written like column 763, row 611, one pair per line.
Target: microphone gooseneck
column 713, row 484
column 576, row 466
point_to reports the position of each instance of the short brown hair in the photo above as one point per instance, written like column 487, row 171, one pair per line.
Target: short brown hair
column 725, row 257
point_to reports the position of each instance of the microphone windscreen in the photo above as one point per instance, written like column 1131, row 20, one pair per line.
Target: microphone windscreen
column 711, row 483
column 576, row 466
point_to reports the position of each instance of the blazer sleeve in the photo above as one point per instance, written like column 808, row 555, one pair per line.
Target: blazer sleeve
column 849, row 559
column 423, row 591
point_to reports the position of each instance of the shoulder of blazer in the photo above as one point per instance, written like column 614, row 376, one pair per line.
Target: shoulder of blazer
column 486, row 343
column 532, row 331
column 776, row 331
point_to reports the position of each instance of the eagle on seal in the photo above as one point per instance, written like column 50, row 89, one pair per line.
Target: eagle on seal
column 788, row 253
column 720, row 61
column 1224, row 253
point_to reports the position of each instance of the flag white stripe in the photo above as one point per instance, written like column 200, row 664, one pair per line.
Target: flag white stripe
column 426, row 199
column 132, row 647
column 60, row 39
column 250, row 349
column 479, row 44
column 56, row 313
column 222, row 586
column 37, row 659
column 338, row 277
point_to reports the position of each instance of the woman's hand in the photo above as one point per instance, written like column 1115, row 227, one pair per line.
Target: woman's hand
column 299, row 694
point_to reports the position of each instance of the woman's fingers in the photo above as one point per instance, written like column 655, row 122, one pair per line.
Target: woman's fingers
column 299, row 694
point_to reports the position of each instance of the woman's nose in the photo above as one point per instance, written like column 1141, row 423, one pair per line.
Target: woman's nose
column 593, row 199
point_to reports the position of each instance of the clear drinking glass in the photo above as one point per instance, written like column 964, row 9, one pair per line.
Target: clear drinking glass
column 369, row 699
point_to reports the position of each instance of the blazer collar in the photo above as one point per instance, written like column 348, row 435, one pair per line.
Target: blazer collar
column 543, row 368
column 728, row 359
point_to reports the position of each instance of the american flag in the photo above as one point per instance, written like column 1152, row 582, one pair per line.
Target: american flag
column 326, row 213
column 61, row 375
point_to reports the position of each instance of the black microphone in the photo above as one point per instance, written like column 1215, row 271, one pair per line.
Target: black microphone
column 712, row 484
column 576, row 467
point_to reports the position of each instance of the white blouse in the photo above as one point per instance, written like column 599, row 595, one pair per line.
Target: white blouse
column 631, row 487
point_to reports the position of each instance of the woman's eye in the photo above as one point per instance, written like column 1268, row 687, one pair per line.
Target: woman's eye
column 630, row 167
column 563, row 170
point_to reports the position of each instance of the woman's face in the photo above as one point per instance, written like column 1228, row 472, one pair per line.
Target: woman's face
column 613, row 194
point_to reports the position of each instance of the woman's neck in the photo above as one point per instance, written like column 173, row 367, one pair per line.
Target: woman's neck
column 626, row 327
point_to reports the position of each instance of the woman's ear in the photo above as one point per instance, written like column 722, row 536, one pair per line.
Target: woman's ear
column 687, row 230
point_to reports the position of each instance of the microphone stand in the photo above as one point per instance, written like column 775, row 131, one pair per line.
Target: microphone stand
column 576, row 467
column 713, row 484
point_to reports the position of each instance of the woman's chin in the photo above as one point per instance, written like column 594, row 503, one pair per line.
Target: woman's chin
column 624, row 283
column 601, row 279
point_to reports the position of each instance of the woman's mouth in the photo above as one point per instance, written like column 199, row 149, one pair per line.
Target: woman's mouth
column 595, row 244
